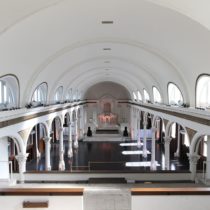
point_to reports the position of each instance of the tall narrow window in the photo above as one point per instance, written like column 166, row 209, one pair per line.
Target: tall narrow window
column 40, row 94
column 9, row 92
column 139, row 96
column 134, row 96
column 146, row 96
column 156, row 95
column 58, row 94
column 174, row 95
column 203, row 91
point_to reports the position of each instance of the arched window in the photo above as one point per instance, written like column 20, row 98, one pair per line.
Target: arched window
column 139, row 96
column 76, row 95
column 146, row 96
column 9, row 92
column 134, row 96
column 156, row 95
column 174, row 95
column 40, row 94
column 203, row 91
column 58, row 94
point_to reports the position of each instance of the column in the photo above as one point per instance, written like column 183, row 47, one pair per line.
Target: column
column 21, row 158
column 47, row 153
column 76, row 145
column 177, row 153
column 167, row 141
column 145, row 140
column 153, row 162
column 193, row 158
column 61, row 166
column 208, row 159
column 70, row 151
column 38, row 155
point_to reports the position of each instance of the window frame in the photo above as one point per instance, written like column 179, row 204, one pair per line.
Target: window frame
column 177, row 88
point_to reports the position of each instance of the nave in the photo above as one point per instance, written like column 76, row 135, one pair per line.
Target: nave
column 124, row 156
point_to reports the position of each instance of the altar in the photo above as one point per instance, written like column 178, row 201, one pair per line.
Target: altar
column 107, row 120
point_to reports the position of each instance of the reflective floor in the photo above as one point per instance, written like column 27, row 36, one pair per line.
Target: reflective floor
column 109, row 156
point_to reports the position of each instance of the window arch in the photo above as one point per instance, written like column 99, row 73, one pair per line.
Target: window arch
column 58, row 94
column 69, row 95
column 203, row 91
column 146, row 96
column 139, row 96
column 40, row 94
column 175, row 96
column 156, row 95
column 9, row 92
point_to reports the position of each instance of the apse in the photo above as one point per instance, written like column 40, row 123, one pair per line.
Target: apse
column 107, row 90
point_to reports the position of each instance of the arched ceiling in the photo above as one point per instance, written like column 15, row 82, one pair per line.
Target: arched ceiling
column 62, row 42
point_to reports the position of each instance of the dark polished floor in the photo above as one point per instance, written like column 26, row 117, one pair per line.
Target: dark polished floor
column 107, row 157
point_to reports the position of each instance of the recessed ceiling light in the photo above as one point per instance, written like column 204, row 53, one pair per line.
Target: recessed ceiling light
column 107, row 48
column 107, row 21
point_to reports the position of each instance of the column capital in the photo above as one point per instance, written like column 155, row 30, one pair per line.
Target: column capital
column 145, row 123
column 167, row 139
column 193, row 158
column 47, row 139
column 69, row 124
column 61, row 129
column 22, row 157
column 153, row 129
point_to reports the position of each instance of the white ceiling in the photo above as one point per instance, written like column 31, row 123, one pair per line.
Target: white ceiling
column 61, row 42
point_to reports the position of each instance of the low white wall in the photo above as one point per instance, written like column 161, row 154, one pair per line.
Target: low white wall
column 55, row 202
column 86, row 176
column 4, row 165
column 171, row 202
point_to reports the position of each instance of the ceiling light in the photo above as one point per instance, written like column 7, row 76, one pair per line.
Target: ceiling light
column 107, row 21
column 107, row 48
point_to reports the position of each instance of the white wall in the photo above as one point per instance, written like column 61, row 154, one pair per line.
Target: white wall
column 172, row 202
column 55, row 202
column 4, row 167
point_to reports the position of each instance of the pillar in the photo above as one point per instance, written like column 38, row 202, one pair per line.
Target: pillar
column 145, row 140
column 193, row 158
column 208, row 159
column 47, row 153
column 21, row 158
column 167, row 141
column 70, row 151
column 61, row 166
column 177, row 153
column 153, row 162
column 76, row 145
column 38, row 155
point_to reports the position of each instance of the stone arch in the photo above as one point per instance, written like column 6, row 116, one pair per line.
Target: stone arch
column 59, row 118
column 18, row 141
column 196, row 141
column 67, row 118
column 45, row 127
column 169, row 126
column 73, row 115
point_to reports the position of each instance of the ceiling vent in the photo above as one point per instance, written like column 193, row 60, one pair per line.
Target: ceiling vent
column 107, row 22
column 107, row 48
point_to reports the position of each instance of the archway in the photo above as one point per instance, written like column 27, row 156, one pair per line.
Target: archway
column 36, row 148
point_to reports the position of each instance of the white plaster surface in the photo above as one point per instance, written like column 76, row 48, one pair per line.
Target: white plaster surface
column 107, row 199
